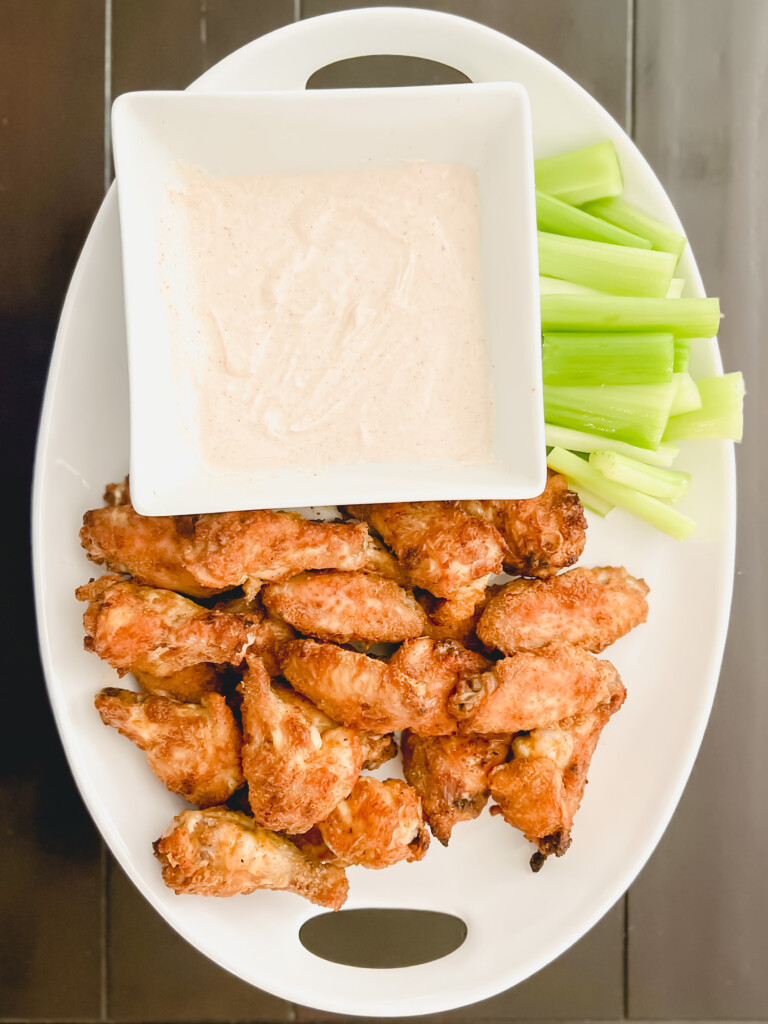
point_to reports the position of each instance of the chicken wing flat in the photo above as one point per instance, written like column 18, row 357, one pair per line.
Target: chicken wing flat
column 269, row 631
column 158, row 632
column 297, row 762
column 347, row 606
column 450, row 774
column 359, row 691
column 440, row 666
column 529, row 690
column 440, row 547
column 219, row 852
column 382, row 562
column 378, row 825
column 193, row 748
column 377, row 750
column 187, row 685
column 590, row 608
column 543, row 534
column 540, row 789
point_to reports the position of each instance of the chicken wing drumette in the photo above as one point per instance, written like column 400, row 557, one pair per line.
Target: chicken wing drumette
column 590, row 608
column 193, row 748
column 450, row 774
column 219, row 852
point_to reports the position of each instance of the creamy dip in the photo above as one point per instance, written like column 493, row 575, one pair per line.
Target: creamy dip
column 337, row 317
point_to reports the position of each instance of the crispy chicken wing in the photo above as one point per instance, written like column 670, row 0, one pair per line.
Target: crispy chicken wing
column 382, row 562
column 529, row 690
column 590, row 608
column 543, row 534
column 540, row 789
column 187, row 685
column 440, row 547
column 219, row 852
column 270, row 632
column 347, row 606
column 450, row 774
column 157, row 631
column 352, row 688
column 193, row 748
column 297, row 762
column 377, row 749
column 379, row 824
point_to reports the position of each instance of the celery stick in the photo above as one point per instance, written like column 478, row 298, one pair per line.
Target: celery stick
column 581, row 175
column 687, row 397
column 554, row 286
column 721, row 413
column 617, row 269
column 660, row 483
column 634, row 413
column 676, row 286
column 563, row 219
column 623, row 215
column 581, row 359
column 579, row 441
column 652, row 510
column 600, row 506
column 685, row 318
column 682, row 355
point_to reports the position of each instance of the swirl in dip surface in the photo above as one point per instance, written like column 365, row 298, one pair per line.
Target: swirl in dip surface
column 336, row 318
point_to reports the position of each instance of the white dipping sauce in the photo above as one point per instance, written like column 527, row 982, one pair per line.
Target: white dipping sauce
column 337, row 317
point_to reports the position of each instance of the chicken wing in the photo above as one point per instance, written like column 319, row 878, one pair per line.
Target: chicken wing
column 377, row 749
column 450, row 774
column 158, row 632
column 440, row 547
column 543, row 534
column 224, row 853
column 540, row 789
column 347, row 606
column 379, row 824
column 354, row 689
column 187, row 685
column 529, row 690
column 590, row 608
column 270, row 632
column 297, row 762
column 193, row 748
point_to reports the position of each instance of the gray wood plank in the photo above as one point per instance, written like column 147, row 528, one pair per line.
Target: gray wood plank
column 230, row 24
column 699, row 912
column 586, row 38
column 156, row 44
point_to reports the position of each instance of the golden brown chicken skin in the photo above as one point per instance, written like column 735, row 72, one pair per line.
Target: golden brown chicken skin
column 540, row 789
column 359, row 691
column 589, row 608
column 269, row 631
column 188, row 685
column 193, row 748
column 347, row 606
column 450, row 774
column 377, row 749
column 297, row 762
column 220, row 852
column 378, row 825
column 528, row 690
column 440, row 547
column 543, row 534
column 158, row 632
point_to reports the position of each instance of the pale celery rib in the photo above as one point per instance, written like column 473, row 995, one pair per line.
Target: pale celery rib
column 684, row 318
column 561, row 218
column 659, row 483
column 554, row 286
column 682, row 355
column 600, row 506
column 616, row 269
column 629, row 218
column 581, row 175
column 687, row 397
column 652, row 510
column 721, row 414
column 587, row 359
column 634, row 413
column 582, row 441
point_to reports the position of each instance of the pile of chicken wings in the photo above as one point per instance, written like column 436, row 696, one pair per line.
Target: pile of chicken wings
column 278, row 656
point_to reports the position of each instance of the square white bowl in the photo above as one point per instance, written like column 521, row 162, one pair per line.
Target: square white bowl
column 483, row 126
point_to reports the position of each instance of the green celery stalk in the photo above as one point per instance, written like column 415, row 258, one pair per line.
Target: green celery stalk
column 682, row 355
column 685, row 318
column 660, row 483
column 583, row 359
column 554, row 286
column 623, row 215
column 617, row 269
column 563, row 219
column 600, row 506
column 721, row 413
column 580, row 441
column 634, row 413
column 652, row 510
column 581, row 175
column 687, row 397
column 676, row 286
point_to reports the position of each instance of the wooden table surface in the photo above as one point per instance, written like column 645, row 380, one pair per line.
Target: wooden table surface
column 689, row 80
